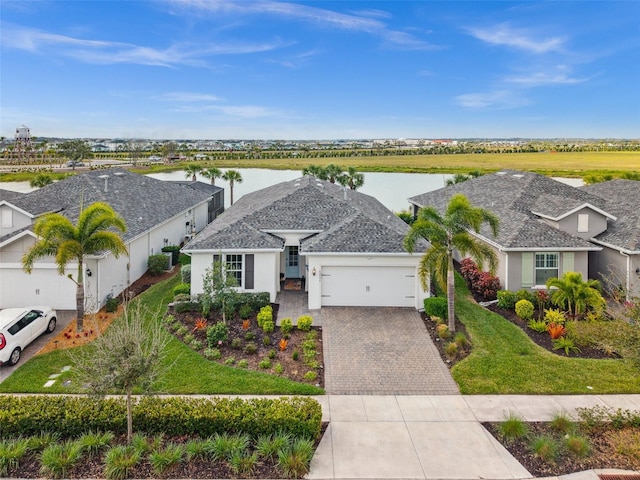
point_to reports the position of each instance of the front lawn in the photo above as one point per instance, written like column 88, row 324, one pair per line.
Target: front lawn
column 504, row 360
column 187, row 372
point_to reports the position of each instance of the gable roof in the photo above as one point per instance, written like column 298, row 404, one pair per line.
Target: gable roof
column 143, row 202
column 9, row 194
column 337, row 220
column 622, row 198
column 513, row 197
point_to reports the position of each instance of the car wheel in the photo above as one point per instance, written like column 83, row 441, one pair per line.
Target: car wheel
column 15, row 356
column 52, row 325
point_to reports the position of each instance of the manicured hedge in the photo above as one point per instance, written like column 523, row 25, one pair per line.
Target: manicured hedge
column 436, row 307
column 71, row 416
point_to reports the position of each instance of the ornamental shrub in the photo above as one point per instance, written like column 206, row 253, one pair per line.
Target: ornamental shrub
column 265, row 314
column 553, row 315
column 304, row 323
column 469, row 271
column 175, row 416
column 185, row 273
column 217, row 333
column 286, row 325
column 245, row 311
column 435, row 307
column 524, row 294
column 267, row 326
column 157, row 264
column 506, row 299
column 181, row 288
column 486, row 285
column 524, row 309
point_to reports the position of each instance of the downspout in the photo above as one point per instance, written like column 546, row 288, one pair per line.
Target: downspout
column 628, row 275
column 506, row 270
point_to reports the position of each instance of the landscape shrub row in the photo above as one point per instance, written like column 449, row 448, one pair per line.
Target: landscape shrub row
column 479, row 282
column 71, row 416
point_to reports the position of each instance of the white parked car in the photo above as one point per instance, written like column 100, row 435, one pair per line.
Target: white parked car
column 21, row 326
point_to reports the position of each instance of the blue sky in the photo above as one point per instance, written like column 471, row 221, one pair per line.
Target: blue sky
column 320, row 70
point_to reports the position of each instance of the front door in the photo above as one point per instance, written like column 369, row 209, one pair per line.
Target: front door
column 291, row 262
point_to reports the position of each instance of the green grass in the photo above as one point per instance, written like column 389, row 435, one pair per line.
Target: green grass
column 186, row 372
column 504, row 360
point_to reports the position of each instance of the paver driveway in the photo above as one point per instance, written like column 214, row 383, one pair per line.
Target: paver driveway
column 381, row 351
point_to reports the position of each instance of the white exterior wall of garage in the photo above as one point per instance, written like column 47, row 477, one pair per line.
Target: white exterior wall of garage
column 364, row 280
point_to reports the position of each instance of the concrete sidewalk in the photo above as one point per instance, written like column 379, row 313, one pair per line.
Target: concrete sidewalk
column 434, row 437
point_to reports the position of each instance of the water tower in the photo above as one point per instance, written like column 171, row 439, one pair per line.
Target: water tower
column 23, row 150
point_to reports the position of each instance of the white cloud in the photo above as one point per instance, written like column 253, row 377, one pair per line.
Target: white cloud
column 106, row 52
column 505, row 35
column 497, row 99
column 188, row 97
column 559, row 75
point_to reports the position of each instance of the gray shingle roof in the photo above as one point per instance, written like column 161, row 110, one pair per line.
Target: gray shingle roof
column 513, row 196
column 142, row 201
column 622, row 199
column 337, row 220
column 9, row 194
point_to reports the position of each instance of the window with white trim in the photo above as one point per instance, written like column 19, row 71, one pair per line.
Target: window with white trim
column 583, row 222
column 7, row 218
column 234, row 267
column 546, row 267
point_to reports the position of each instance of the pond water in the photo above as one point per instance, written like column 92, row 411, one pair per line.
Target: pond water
column 391, row 189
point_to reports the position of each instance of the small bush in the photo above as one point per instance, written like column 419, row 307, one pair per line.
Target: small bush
column 11, row 452
column 243, row 363
column 185, row 273
column 265, row 314
column 196, row 344
column 58, row 458
column 236, row 344
column 506, row 299
column 93, row 443
column 562, row 423
column 577, row 445
column 461, row 340
column 556, row 331
column 295, row 355
column 111, row 303
column 265, row 363
column 304, row 323
column 182, row 288
column 310, row 376
column 553, row 315
column 230, row 361
column 182, row 297
column 513, row 428
column 436, row 307
column 163, row 460
column 268, row 446
column 566, row 344
column 451, row 350
column 545, row 447
column 278, row 369
column 242, row 463
column 266, row 340
column 186, row 307
column 120, row 461
column 157, row 264
column 245, row 311
column 443, row 331
column 524, row 294
column 267, row 326
column 286, row 325
column 217, row 333
column 251, row 348
column 249, row 336
column 539, row 326
column 272, row 354
column 212, row 353
column 294, row 461
column 524, row 309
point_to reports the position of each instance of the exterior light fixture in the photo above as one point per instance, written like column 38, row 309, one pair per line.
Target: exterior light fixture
column 313, row 271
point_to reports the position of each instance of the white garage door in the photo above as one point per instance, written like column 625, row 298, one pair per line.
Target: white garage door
column 41, row 287
column 368, row 286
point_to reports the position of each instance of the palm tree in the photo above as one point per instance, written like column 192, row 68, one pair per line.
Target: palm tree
column 211, row 173
column 447, row 233
column 333, row 171
column 233, row 177
column 192, row 170
column 351, row 178
column 315, row 171
column 67, row 242
column 574, row 294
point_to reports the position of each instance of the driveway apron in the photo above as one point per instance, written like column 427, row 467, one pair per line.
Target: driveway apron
column 381, row 351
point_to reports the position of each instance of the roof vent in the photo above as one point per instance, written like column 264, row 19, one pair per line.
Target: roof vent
column 501, row 173
column 119, row 174
column 106, row 182
column 518, row 175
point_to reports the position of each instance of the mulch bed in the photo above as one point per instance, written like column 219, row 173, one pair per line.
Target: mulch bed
column 292, row 369
column 604, row 451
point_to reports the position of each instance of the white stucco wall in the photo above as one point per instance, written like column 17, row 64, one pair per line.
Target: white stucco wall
column 18, row 220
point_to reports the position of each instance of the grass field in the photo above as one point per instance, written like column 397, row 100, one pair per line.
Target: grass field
column 569, row 164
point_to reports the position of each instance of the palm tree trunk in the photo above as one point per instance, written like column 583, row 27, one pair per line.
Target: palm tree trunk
column 451, row 294
column 231, row 191
column 80, row 298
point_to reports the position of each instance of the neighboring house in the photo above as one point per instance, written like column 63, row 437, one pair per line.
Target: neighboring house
column 216, row 206
column 545, row 225
column 345, row 244
column 156, row 213
column 619, row 259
